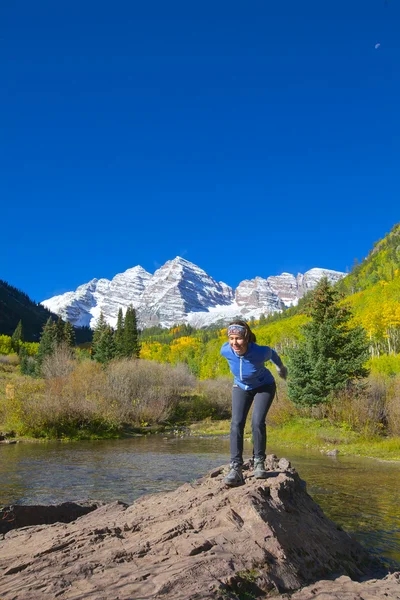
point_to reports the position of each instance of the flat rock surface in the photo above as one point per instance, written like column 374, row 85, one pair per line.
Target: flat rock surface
column 343, row 588
column 203, row 540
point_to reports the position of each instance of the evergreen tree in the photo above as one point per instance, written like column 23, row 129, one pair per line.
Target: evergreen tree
column 262, row 320
column 131, row 335
column 17, row 337
column 69, row 334
column 101, row 326
column 60, row 336
column 47, row 343
column 332, row 353
column 27, row 364
column 119, row 335
column 105, row 349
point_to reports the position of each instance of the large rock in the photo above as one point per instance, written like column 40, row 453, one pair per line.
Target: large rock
column 203, row 540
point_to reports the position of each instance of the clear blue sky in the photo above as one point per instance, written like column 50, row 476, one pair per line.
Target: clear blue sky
column 250, row 138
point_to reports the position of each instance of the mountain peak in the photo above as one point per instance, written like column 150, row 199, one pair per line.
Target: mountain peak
column 180, row 291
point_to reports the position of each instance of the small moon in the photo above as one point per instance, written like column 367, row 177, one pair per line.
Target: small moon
column 377, row 46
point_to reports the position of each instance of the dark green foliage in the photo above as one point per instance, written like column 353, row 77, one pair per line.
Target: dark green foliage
column 16, row 306
column 131, row 335
column 331, row 355
column 119, row 335
column 69, row 334
column 47, row 343
column 17, row 337
column 105, row 347
column 83, row 335
column 27, row 363
column 101, row 326
column 60, row 336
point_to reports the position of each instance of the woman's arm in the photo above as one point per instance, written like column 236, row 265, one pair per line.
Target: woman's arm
column 280, row 367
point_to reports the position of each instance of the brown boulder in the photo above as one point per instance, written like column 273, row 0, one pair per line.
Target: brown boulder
column 203, row 540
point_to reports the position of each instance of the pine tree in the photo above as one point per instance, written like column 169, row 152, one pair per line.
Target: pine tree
column 27, row 364
column 131, row 335
column 47, row 343
column 101, row 326
column 332, row 353
column 262, row 320
column 17, row 337
column 60, row 336
column 69, row 334
column 105, row 349
column 119, row 335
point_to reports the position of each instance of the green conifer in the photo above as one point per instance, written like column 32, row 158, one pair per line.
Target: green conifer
column 105, row 349
column 131, row 335
column 331, row 355
column 27, row 364
column 119, row 335
column 99, row 329
column 47, row 343
column 60, row 335
column 69, row 334
column 17, row 337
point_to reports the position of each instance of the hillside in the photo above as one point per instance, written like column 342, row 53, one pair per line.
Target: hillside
column 380, row 265
column 15, row 305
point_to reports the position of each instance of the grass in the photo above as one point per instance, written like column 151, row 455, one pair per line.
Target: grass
column 314, row 434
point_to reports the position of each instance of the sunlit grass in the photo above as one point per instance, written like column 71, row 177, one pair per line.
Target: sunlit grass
column 314, row 434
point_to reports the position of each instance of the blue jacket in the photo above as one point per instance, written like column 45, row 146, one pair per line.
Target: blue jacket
column 249, row 370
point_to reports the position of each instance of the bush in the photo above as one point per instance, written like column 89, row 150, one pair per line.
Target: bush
column 218, row 393
column 6, row 346
column 362, row 409
column 143, row 391
column 60, row 363
column 282, row 409
column 393, row 407
column 387, row 364
column 8, row 363
column 17, row 410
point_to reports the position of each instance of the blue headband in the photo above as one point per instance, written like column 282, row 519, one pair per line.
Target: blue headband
column 237, row 330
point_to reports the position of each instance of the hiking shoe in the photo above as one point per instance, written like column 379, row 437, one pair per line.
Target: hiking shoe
column 235, row 476
column 259, row 469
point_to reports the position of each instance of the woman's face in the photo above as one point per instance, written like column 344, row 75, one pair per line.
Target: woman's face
column 238, row 344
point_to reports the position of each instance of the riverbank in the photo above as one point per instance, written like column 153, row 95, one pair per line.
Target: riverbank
column 299, row 432
column 314, row 434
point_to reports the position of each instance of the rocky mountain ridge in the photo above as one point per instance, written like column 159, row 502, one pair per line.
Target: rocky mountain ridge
column 181, row 292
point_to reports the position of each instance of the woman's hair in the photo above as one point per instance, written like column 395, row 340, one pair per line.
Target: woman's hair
column 249, row 336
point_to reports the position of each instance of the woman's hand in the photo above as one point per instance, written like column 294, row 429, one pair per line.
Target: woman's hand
column 282, row 371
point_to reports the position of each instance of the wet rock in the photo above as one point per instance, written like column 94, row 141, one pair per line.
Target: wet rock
column 203, row 540
column 333, row 452
column 13, row 517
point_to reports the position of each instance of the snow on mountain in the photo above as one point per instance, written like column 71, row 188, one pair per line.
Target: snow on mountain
column 178, row 288
column 180, row 291
column 82, row 307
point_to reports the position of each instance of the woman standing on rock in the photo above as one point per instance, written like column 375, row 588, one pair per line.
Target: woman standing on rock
column 253, row 382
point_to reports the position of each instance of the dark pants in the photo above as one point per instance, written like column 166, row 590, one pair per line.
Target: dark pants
column 241, row 403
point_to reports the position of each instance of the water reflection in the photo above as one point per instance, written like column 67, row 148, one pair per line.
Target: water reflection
column 362, row 495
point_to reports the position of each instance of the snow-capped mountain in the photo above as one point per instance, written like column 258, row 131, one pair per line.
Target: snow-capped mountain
column 179, row 292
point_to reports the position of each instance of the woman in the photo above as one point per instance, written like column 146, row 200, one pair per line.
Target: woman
column 252, row 382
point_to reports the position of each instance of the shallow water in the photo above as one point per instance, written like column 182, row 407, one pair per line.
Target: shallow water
column 362, row 495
